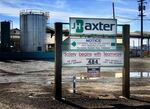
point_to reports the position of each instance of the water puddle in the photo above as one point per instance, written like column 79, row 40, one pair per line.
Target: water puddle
column 140, row 74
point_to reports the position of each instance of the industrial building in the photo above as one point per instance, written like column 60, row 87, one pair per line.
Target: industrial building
column 35, row 36
column 15, row 36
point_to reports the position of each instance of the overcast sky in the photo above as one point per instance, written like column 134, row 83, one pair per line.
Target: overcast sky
column 60, row 10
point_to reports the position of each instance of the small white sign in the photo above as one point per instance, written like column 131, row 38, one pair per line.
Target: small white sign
column 93, row 71
column 92, row 58
column 92, row 44
column 90, row 26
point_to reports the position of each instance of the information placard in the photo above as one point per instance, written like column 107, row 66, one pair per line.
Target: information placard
column 92, row 58
column 92, row 44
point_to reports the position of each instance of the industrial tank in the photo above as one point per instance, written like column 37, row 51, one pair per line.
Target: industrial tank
column 5, row 36
column 33, row 30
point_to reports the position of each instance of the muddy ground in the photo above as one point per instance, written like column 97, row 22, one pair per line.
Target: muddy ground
column 30, row 85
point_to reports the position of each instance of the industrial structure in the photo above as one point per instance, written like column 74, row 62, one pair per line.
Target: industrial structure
column 35, row 36
column 33, row 30
column 5, row 36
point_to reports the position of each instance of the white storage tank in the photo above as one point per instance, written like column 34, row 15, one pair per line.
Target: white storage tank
column 33, row 30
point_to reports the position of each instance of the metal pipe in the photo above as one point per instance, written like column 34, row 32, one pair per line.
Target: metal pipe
column 74, row 84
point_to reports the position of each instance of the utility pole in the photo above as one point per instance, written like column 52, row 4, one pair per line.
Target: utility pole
column 113, row 6
column 141, row 11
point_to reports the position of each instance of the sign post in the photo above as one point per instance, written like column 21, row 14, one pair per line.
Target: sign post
column 126, row 69
column 58, row 60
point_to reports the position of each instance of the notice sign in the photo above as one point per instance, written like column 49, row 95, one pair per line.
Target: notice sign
column 92, row 44
column 92, row 58
column 90, row 26
column 93, row 71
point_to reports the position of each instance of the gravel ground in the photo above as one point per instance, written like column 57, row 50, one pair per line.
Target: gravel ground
column 30, row 85
column 28, row 96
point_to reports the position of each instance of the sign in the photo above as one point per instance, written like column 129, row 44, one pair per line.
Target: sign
column 90, row 26
column 92, row 44
column 93, row 71
column 92, row 58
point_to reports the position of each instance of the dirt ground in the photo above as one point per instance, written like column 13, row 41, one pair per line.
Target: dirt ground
column 30, row 85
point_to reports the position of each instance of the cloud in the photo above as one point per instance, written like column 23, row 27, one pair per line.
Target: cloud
column 9, row 11
column 57, row 4
column 55, row 12
column 60, row 4
column 13, row 7
column 120, row 1
column 116, row 1
column 64, row 16
column 126, row 15
column 59, row 10
column 126, row 11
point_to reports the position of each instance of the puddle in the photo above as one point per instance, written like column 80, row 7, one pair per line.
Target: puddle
column 140, row 74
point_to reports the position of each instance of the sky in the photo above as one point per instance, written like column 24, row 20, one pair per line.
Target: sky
column 126, row 11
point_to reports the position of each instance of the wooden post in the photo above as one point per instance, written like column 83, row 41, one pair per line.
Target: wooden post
column 58, row 60
column 126, row 69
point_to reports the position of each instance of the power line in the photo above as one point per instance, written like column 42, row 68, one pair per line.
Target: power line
column 136, row 18
column 127, row 18
column 125, row 21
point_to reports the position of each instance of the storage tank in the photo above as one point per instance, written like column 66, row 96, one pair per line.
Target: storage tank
column 33, row 30
column 5, row 36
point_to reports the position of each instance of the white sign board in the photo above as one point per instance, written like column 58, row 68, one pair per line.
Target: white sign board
column 92, row 44
column 90, row 26
column 91, row 58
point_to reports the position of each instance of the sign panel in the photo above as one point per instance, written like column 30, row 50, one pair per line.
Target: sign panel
column 93, row 71
column 92, row 44
column 92, row 58
column 90, row 26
